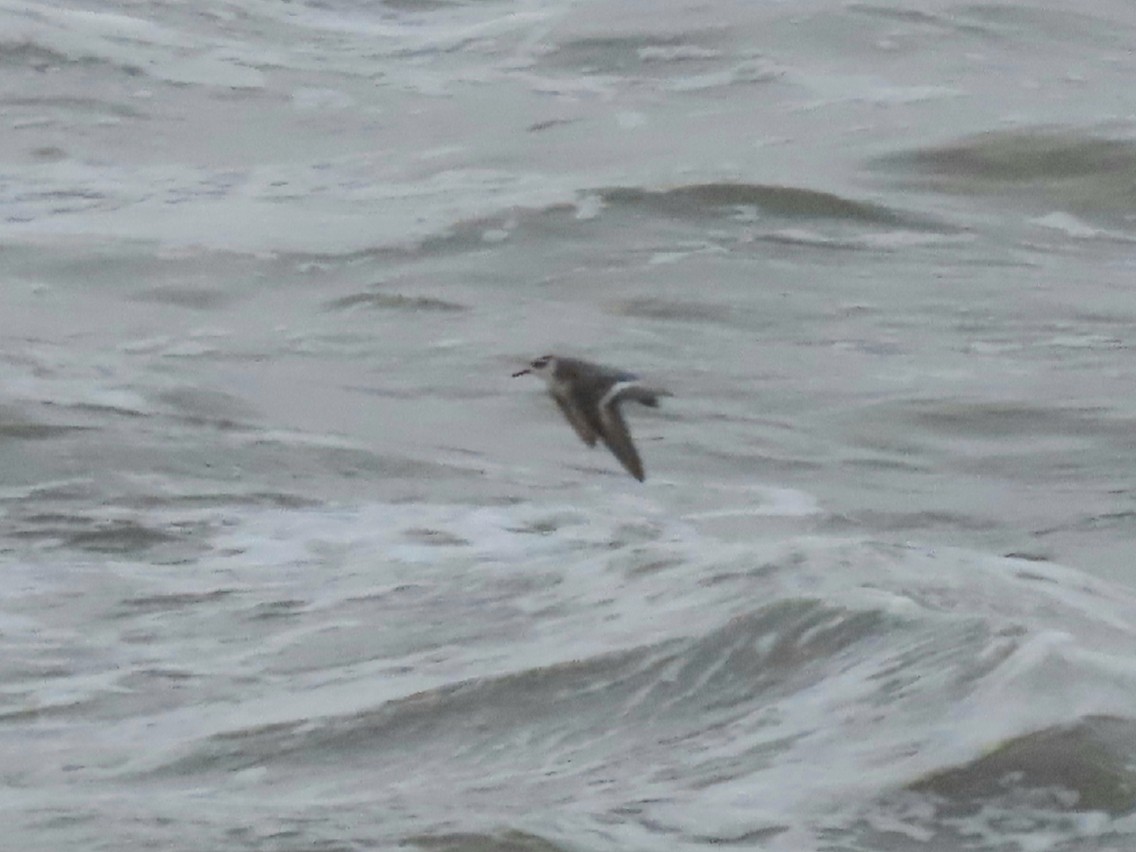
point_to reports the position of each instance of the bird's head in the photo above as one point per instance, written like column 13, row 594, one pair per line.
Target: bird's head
column 544, row 366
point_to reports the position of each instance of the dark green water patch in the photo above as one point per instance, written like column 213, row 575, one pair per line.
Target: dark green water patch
column 1087, row 766
column 394, row 301
column 729, row 199
column 26, row 430
column 1063, row 168
column 119, row 537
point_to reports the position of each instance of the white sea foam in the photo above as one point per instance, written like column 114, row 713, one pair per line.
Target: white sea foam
column 130, row 41
column 1077, row 228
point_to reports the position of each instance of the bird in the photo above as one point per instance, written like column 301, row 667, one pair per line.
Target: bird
column 589, row 396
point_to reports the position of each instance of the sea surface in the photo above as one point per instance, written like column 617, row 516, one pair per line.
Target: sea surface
column 289, row 562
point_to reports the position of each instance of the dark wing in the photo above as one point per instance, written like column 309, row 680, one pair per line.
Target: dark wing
column 618, row 439
column 578, row 422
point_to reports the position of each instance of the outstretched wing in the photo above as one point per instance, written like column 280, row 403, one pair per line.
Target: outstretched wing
column 576, row 419
column 618, row 439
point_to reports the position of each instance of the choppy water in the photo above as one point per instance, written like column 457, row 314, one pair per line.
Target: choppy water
column 291, row 563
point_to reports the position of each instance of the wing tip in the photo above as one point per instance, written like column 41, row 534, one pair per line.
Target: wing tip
column 635, row 468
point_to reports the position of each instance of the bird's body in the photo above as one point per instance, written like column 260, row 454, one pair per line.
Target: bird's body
column 589, row 396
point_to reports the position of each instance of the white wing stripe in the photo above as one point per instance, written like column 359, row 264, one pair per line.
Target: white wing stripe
column 614, row 391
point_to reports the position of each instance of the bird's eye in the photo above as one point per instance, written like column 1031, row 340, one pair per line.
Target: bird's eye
column 540, row 362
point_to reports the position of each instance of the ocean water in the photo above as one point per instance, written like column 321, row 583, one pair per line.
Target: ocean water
column 291, row 563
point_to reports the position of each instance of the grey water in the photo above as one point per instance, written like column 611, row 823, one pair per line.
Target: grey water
column 290, row 562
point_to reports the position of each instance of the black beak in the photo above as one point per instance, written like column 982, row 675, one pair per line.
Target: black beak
column 522, row 372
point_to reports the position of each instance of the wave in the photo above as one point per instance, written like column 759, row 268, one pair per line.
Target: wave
column 1070, row 169
column 738, row 211
column 1068, row 786
column 40, row 35
column 1084, row 766
column 722, row 198
column 649, row 694
column 516, row 660
column 719, row 673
